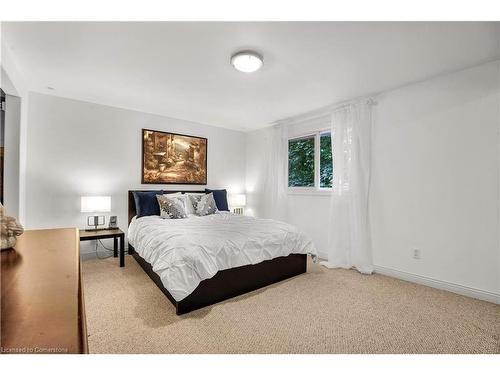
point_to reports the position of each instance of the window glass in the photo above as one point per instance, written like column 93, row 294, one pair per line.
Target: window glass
column 301, row 162
column 325, row 160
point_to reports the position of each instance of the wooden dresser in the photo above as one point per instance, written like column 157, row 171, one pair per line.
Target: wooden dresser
column 42, row 298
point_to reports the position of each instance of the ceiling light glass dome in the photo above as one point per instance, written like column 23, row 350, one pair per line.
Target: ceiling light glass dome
column 247, row 61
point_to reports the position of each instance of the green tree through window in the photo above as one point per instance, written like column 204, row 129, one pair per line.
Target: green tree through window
column 301, row 162
column 325, row 161
column 303, row 168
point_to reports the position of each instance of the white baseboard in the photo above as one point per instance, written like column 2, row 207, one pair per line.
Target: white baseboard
column 322, row 256
column 438, row 284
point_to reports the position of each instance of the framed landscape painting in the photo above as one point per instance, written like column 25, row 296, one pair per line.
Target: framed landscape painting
column 169, row 158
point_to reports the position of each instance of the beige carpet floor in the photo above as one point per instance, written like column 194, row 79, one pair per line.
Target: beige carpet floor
column 323, row 311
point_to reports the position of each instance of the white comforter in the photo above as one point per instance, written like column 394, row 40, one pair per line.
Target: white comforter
column 183, row 252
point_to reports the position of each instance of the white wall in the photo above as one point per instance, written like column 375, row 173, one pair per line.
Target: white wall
column 13, row 83
column 257, row 147
column 77, row 148
column 11, row 161
column 435, row 180
column 6, row 83
column 13, row 129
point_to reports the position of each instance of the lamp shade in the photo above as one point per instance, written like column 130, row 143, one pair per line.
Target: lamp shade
column 238, row 200
column 96, row 204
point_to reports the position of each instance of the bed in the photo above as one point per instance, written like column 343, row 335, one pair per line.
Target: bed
column 199, row 261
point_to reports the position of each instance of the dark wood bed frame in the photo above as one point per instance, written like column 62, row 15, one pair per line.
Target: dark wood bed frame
column 227, row 283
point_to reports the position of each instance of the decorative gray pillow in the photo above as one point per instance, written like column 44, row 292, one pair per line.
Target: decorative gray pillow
column 194, row 199
column 205, row 205
column 171, row 207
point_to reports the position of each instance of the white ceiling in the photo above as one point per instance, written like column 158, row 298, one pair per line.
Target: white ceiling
column 182, row 70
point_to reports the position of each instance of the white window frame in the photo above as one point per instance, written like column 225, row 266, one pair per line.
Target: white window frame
column 309, row 190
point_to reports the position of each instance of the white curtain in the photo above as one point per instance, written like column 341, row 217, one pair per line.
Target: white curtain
column 276, row 184
column 349, row 236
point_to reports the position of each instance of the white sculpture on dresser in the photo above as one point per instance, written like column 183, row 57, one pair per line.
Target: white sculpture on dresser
column 9, row 228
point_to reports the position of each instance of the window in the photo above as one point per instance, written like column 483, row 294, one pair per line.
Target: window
column 310, row 161
column 325, row 161
column 301, row 162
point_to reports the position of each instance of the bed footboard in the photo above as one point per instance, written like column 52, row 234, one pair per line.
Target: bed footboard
column 232, row 282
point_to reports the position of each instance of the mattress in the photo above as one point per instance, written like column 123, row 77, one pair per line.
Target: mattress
column 183, row 252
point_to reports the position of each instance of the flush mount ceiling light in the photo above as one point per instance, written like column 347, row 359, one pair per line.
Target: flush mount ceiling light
column 247, row 61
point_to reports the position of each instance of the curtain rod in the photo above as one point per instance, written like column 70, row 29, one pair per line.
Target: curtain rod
column 327, row 110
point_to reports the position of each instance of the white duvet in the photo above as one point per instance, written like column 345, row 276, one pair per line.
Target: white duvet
column 183, row 252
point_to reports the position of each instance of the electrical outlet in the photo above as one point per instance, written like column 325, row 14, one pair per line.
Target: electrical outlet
column 416, row 254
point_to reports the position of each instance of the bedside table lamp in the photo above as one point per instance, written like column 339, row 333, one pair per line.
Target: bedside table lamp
column 238, row 201
column 95, row 204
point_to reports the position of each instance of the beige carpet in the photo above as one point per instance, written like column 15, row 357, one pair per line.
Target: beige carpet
column 323, row 311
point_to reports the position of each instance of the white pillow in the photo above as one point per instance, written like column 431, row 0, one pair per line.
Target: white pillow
column 178, row 194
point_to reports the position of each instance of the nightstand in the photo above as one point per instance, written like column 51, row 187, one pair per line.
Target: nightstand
column 115, row 234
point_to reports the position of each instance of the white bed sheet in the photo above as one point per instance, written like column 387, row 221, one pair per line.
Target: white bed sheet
column 183, row 252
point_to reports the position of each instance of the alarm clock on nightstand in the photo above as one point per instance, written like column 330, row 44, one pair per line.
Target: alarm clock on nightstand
column 113, row 222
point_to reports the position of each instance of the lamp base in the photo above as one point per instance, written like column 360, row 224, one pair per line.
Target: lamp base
column 95, row 221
